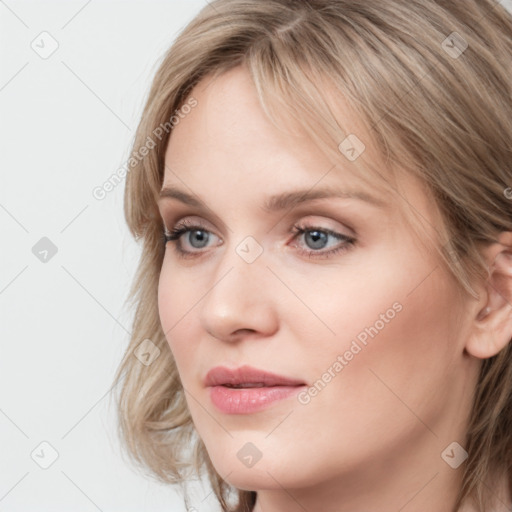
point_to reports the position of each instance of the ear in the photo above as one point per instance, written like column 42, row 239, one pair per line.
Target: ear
column 492, row 317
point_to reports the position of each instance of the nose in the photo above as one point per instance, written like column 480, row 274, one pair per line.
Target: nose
column 241, row 300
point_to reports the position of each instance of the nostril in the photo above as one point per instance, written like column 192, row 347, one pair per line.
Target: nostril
column 243, row 331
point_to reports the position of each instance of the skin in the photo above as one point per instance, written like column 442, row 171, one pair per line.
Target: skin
column 372, row 439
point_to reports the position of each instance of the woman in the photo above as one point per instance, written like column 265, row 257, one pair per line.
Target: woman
column 323, row 302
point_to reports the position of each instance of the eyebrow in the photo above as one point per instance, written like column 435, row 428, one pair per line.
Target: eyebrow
column 285, row 200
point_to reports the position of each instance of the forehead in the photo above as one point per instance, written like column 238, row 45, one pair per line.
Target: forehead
column 228, row 121
column 229, row 130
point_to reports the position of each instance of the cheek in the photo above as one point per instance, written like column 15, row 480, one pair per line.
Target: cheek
column 166, row 300
column 176, row 303
column 177, row 295
column 408, row 364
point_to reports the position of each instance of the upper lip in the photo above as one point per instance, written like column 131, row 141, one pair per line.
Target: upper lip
column 220, row 376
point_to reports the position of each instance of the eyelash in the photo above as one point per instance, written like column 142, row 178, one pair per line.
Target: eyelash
column 178, row 231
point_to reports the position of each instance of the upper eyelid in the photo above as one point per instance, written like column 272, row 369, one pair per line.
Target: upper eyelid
column 186, row 220
column 187, row 223
column 172, row 213
column 306, row 209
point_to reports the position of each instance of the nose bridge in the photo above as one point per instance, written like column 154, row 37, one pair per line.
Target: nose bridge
column 238, row 298
column 242, row 263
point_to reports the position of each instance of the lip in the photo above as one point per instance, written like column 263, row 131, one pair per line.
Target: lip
column 269, row 388
column 220, row 376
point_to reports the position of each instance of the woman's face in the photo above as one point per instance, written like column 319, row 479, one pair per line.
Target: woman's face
column 334, row 294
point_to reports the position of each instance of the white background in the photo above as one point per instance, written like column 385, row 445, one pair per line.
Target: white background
column 66, row 124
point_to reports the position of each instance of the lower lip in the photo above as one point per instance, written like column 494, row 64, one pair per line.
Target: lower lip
column 249, row 400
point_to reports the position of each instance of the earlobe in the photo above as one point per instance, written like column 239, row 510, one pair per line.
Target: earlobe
column 492, row 325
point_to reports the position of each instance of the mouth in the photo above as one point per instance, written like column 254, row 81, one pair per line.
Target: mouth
column 247, row 377
column 248, row 390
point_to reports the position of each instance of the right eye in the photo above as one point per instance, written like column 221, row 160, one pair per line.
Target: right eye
column 196, row 238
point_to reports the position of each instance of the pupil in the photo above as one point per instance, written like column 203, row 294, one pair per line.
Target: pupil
column 318, row 239
column 201, row 236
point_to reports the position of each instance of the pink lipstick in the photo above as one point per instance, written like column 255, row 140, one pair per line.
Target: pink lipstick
column 247, row 390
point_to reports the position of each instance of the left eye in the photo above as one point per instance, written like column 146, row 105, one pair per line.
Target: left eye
column 317, row 238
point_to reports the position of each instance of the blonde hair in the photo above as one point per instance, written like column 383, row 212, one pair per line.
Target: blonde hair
column 430, row 81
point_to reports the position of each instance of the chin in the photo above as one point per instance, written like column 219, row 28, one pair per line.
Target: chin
column 270, row 472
